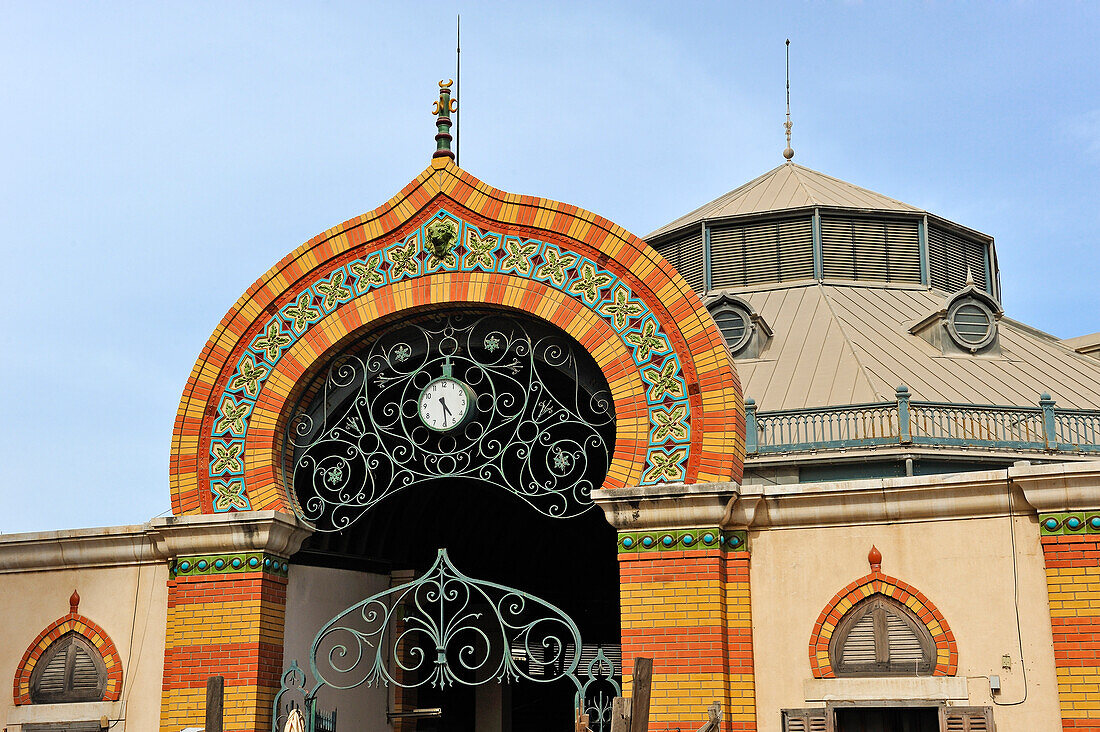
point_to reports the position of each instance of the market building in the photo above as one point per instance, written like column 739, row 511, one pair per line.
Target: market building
column 455, row 463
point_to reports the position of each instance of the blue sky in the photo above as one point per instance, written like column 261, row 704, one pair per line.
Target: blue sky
column 159, row 157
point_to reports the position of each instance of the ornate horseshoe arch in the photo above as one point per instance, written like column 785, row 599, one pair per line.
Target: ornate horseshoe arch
column 448, row 239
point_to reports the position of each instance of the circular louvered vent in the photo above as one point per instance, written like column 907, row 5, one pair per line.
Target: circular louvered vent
column 971, row 324
column 736, row 326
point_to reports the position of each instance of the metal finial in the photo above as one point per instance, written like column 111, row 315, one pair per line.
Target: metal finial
column 789, row 152
column 443, row 109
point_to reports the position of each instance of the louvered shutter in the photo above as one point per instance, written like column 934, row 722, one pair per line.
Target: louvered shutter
column 71, row 670
column 85, row 678
column 670, row 250
column 686, row 255
column 691, row 262
column 52, row 680
column 804, row 720
column 949, row 256
column 881, row 636
column 967, row 719
column 903, row 644
column 882, row 250
column 761, row 252
column 859, row 645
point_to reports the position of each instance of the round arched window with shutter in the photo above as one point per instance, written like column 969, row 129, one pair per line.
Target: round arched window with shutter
column 70, row 670
column 881, row 637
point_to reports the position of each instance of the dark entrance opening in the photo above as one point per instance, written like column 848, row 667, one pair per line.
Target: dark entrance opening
column 490, row 535
column 887, row 719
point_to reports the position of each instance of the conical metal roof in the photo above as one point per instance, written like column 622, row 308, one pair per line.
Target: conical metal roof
column 787, row 186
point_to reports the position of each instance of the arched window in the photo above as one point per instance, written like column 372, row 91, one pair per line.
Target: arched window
column 70, row 670
column 881, row 637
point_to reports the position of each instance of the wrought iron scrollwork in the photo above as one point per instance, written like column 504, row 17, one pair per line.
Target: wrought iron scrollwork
column 599, row 688
column 542, row 422
column 446, row 629
column 292, row 702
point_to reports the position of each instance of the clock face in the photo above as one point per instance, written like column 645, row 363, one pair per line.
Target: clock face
column 444, row 404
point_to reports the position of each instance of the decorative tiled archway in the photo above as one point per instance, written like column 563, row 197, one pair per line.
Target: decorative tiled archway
column 677, row 399
column 75, row 623
column 877, row 583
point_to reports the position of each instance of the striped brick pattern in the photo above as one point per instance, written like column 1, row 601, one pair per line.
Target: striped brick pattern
column 263, row 473
column 77, row 624
column 690, row 612
column 947, row 651
column 716, row 410
column 229, row 625
column 1073, row 587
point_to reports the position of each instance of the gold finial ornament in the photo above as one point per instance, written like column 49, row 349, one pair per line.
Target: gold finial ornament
column 789, row 152
column 442, row 109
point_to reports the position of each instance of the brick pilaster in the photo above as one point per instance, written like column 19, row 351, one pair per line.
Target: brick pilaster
column 686, row 605
column 1071, row 550
column 225, row 617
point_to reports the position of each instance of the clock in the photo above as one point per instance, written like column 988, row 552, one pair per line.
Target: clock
column 445, row 403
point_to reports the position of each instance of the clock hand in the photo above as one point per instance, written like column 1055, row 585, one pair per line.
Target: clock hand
column 444, row 403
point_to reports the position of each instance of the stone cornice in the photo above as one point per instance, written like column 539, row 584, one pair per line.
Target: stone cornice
column 877, row 501
column 671, row 505
column 158, row 541
column 268, row 531
column 106, row 547
column 1020, row 490
column 1060, row 487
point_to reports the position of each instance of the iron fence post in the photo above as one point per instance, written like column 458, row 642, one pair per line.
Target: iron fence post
column 1048, row 421
column 902, row 395
column 751, row 440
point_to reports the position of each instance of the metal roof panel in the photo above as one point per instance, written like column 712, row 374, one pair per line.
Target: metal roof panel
column 785, row 187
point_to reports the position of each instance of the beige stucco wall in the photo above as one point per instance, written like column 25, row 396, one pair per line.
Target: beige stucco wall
column 964, row 567
column 314, row 596
column 128, row 602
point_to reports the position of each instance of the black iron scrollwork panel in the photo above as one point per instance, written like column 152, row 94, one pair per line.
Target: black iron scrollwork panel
column 488, row 396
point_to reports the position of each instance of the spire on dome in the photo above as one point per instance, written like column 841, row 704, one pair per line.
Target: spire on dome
column 789, row 152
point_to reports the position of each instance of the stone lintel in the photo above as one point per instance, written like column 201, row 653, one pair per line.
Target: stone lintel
column 71, row 712
column 920, row 688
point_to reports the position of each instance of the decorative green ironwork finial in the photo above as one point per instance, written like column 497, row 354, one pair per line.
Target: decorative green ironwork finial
column 443, row 109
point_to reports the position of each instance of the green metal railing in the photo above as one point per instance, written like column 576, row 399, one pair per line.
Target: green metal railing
column 907, row 422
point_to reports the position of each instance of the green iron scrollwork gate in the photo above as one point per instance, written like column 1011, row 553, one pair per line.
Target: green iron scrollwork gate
column 445, row 629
